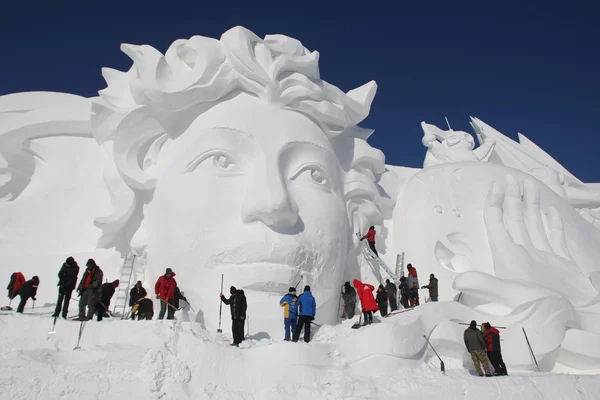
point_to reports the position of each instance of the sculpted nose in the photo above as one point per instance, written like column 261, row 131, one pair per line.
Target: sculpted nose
column 267, row 201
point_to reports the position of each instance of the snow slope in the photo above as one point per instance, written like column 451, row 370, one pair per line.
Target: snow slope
column 177, row 359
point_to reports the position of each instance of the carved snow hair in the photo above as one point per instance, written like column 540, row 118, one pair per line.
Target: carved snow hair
column 161, row 95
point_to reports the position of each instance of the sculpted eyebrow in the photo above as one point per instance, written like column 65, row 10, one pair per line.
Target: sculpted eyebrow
column 291, row 142
column 226, row 128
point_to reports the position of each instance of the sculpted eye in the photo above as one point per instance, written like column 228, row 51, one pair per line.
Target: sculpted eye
column 216, row 161
column 313, row 174
column 223, row 162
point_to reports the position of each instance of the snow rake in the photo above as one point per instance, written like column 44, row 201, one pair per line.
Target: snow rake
column 81, row 326
column 442, row 366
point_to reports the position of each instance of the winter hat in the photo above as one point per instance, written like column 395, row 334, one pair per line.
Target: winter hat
column 115, row 284
column 307, row 288
column 232, row 290
column 387, row 281
column 409, row 266
column 168, row 271
column 35, row 278
column 380, row 287
column 486, row 325
column 473, row 324
column 292, row 289
column 139, row 283
column 91, row 263
column 347, row 285
column 431, row 276
column 70, row 261
column 402, row 279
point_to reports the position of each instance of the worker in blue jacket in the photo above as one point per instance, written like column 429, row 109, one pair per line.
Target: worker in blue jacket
column 307, row 309
column 290, row 312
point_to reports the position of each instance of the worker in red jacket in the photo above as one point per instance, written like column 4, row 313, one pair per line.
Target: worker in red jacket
column 165, row 291
column 367, row 300
column 491, row 336
column 370, row 236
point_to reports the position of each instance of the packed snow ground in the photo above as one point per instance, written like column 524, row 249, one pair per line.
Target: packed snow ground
column 176, row 359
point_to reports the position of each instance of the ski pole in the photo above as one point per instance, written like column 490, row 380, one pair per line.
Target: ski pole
column 219, row 330
column 442, row 366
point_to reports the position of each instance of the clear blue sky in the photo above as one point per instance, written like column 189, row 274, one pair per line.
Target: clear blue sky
column 531, row 67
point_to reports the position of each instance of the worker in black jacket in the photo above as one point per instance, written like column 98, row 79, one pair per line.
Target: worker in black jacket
column 29, row 289
column 137, row 292
column 237, row 305
column 67, row 280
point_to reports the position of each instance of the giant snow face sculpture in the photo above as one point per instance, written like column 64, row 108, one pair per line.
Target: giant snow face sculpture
column 253, row 192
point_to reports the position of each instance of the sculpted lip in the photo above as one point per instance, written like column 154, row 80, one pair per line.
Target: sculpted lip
column 263, row 276
column 275, row 256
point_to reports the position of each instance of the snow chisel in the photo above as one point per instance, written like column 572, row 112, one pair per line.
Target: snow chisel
column 52, row 332
column 220, row 307
column 81, row 326
column 442, row 366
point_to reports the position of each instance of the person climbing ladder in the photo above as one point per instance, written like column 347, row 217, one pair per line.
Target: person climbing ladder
column 370, row 236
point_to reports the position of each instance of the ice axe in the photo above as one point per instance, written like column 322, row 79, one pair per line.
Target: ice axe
column 220, row 307
column 442, row 366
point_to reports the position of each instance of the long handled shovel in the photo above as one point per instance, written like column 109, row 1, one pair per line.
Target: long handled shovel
column 220, row 307
column 359, row 323
column 170, row 305
column 442, row 366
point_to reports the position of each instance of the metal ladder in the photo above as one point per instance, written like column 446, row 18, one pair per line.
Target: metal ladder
column 125, row 283
column 371, row 257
